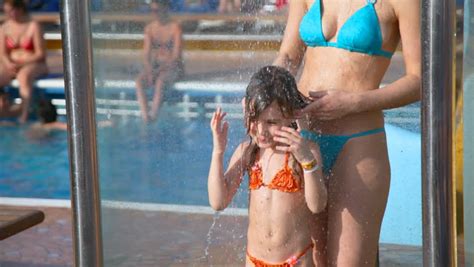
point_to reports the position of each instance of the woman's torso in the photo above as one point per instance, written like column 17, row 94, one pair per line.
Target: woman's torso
column 162, row 37
column 331, row 68
column 279, row 222
column 19, row 41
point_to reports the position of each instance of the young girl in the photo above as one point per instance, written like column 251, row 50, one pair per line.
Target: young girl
column 285, row 179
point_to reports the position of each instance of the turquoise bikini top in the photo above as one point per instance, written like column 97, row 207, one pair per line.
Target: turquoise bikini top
column 360, row 33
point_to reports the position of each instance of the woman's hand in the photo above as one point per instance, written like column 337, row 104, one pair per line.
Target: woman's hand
column 219, row 131
column 330, row 105
column 291, row 141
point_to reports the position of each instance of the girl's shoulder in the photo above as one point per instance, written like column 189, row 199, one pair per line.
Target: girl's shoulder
column 243, row 148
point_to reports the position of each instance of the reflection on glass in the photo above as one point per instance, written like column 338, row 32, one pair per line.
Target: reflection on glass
column 162, row 63
column 154, row 175
column 468, row 136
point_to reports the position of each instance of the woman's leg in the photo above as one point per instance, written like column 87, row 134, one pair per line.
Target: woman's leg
column 26, row 76
column 358, row 192
column 140, row 84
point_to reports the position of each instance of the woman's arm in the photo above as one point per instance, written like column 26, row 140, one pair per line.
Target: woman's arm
column 223, row 186
column 333, row 104
column 292, row 48
column 39, row 43
column 405, row 90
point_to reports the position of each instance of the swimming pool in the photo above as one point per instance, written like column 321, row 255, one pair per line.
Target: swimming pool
column 167, row 162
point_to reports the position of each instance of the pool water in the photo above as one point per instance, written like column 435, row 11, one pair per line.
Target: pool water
column 167, row 162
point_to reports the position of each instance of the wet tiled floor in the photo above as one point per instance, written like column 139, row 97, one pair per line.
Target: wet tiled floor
column 153, row 238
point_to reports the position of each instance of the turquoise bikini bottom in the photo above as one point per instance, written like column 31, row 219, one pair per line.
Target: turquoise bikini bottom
column 331, row 145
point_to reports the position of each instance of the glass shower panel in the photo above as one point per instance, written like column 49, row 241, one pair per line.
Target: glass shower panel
column 154, row 163
column 468, row 136
column 154, row 160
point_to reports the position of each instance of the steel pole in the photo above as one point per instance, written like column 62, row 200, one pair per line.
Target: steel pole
column 438, row 31
column 80, row 106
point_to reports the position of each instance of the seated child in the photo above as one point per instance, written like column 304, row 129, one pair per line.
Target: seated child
column 286, row 184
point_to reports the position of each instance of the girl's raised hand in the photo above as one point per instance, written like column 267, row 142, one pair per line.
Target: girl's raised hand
column 219, row 129
column 291, row 141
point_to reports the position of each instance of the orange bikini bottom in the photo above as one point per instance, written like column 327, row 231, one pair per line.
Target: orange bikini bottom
column 291, row 261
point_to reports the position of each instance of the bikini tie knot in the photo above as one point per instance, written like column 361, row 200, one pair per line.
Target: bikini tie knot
column 292, row 261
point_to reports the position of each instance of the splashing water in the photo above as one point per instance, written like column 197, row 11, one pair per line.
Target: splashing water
column 207, row 256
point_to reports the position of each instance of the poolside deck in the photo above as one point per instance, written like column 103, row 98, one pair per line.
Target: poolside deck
column 154, row 238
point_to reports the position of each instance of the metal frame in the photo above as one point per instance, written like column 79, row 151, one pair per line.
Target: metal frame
column 438, row 17
column 80, row 106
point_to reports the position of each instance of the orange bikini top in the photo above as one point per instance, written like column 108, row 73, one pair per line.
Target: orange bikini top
column 284, row 180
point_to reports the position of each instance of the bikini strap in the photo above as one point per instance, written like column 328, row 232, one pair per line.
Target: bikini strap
column 287, row 156
column 372, row 2
column 369, row 132
column 293, row 260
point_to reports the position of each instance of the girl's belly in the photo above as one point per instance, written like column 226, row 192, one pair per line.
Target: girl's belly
column 279, row 224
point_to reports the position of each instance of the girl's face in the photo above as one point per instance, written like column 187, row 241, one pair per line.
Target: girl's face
column 11, row 12
column 268, row 122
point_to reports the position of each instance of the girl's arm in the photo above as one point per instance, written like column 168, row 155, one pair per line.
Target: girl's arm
column 306, row 153
column 223, row 186
column 39, row 43
column 315, row 189
column 292, row 48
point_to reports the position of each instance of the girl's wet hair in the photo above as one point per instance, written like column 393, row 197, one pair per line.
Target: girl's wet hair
column 272, row 84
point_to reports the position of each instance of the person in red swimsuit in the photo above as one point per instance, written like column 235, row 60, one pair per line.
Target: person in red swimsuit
column 287, row 188
column 22, row 51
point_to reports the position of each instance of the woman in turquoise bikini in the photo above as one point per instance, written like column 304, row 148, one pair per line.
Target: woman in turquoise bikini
column 347, row 46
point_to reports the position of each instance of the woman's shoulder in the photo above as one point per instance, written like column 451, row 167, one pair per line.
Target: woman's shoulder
column 399, row 6
column 34, row 25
